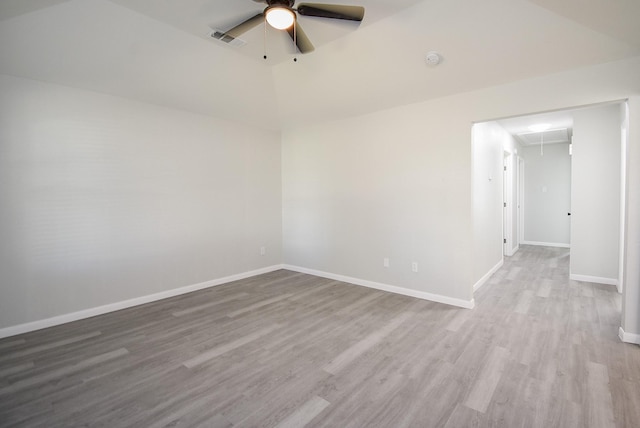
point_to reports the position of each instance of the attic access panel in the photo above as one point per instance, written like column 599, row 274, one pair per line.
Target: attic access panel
column 551, row 136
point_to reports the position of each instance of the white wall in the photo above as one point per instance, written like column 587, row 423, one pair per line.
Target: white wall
column 547, row 195
column 487, row 188
column 514, row 244
column 104, row 199
column 595, row 198
column 512, row 150
column 489, row 144
column 397, row 183
column 631, row 294
column 378, row 186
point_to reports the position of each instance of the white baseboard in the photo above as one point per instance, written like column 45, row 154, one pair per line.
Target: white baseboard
column 596, row 279
column 487, row 275
column 629, row 337
column 547, row 244
column 467, row 304
column 513, row 251
column 112, row 307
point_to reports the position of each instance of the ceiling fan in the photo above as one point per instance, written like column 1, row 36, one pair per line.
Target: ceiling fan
column 281, row 15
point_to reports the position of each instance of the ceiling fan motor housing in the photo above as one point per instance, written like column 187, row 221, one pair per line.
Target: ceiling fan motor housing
column 285, row 3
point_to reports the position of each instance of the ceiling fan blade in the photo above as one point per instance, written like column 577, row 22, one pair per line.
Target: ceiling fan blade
column 335, row 11
column 301, row 39
column 245, row 26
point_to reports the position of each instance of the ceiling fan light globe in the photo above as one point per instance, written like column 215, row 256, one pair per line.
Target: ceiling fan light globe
column 280, row 18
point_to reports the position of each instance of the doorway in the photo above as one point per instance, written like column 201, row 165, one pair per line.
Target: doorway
column 563, row 187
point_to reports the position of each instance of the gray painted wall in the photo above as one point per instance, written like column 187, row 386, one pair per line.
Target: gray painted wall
column 595, row 194
column 104, row 199
column 547, row 194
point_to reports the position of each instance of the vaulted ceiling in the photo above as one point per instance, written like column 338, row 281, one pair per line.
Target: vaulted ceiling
column 161, row 52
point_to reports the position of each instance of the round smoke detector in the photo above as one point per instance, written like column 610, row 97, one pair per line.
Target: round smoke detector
column 433, row 58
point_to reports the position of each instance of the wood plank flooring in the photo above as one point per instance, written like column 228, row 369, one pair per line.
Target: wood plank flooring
column 290, row 350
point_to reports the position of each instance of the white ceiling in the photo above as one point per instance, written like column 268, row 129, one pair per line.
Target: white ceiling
column 158, row 51
column 198, row 17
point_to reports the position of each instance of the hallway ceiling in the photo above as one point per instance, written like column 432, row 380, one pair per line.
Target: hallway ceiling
column 160, row 52
column 558, row 120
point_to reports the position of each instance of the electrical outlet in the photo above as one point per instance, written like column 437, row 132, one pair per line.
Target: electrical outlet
column 263, row 251
column 385, row 262
column 414, row 266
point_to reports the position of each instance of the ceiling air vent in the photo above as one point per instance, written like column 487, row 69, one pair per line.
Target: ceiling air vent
column 230, row 40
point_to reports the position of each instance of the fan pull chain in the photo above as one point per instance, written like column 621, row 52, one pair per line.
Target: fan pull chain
column 265, row 38
column 541, row 143
column 295, row 41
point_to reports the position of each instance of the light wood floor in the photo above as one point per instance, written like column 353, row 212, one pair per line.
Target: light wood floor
column 289, row 350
